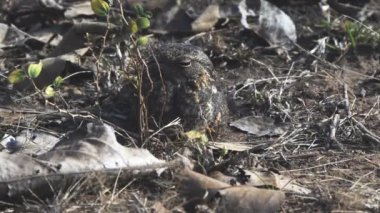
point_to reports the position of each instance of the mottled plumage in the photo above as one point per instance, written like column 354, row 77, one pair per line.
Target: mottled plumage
column 180, row 84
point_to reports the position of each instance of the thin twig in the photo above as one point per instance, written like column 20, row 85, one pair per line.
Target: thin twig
column 366, row 132
column 333, row 126
column 173, row 123
column 346, row 100
column 268, row 68
column 322, row 165
column 358, row 181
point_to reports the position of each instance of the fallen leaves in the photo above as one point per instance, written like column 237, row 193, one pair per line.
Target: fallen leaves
column 201, row 189
column 71, row 158
column 99, row 151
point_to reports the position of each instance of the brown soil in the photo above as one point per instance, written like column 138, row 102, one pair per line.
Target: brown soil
column 343, row 174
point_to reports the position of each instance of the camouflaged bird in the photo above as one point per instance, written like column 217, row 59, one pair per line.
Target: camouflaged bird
column 181, row 83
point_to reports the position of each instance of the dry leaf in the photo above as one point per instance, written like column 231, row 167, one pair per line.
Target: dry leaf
column 249, row 199
column 223, row 178
column 194, row 185
column 207, row 19
column 230, row 146
column 71, row 159
column 268, row 178
column 10, row 35
column 197, row 188
column 3, row 32
column 271, row 23
column 75, row 37
column 259, row 125
column 79, row 9
column 200, row 189
column 36, row 142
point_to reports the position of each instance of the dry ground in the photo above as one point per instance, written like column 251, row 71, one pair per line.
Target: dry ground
column 341, row 169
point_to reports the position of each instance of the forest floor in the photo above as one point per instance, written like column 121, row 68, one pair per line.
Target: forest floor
column 325, row 104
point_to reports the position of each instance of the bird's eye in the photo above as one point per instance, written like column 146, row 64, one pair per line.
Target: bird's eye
column 185, row 62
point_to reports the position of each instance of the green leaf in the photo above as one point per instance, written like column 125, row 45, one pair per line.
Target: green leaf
column 224, row 151
column 57, row 82
column 16, row 76
column 100, row 7
column 196, row 136
column 350, row 30
column 142, row 40
column 34, row 70
column 133, row 26
column 139, row 9
column 49, row 92
column 143, row 22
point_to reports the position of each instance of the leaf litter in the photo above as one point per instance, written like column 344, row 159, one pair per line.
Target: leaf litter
column 312, row 116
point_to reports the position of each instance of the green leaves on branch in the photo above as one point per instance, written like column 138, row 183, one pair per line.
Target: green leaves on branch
column 140, row 23
column 352, row 31
column 57, row 82
column 133, row 26
column 139, row 9
column 143, row 22
column 360, row 34
column 34, row 70
column 142, row 40
column 49, row 92
column 196, row 136
column 16, row 76
column 100, row 7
